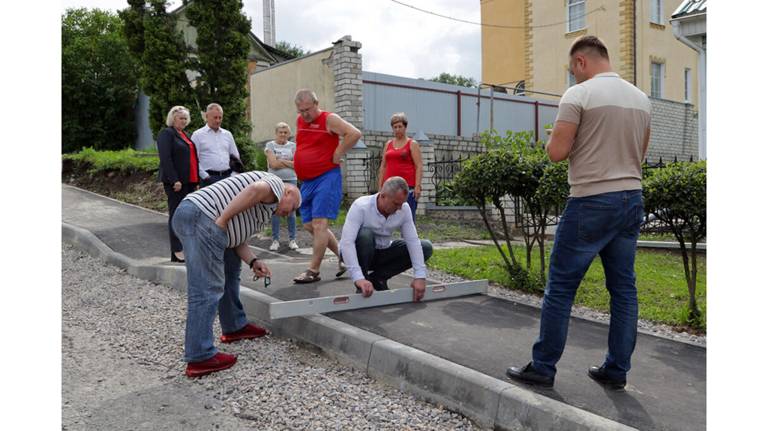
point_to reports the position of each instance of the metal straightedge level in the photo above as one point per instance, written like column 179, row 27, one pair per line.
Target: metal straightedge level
column 330, row 304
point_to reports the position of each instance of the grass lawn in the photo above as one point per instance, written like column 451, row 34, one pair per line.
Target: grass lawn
column 661, row 286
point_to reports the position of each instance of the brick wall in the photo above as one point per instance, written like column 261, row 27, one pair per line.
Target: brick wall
column 674, row 131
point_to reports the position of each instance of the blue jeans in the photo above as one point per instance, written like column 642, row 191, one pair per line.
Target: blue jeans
column 291, row 221
column 412, row 202
column 607, row 224
column 213, row 281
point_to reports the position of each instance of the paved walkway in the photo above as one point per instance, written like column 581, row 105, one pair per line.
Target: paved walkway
column 666, row 388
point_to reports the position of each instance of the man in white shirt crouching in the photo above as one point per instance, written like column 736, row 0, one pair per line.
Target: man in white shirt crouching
column 366, row 244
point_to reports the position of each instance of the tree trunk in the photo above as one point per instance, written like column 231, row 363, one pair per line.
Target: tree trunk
column 506, row 233
column 510, row 268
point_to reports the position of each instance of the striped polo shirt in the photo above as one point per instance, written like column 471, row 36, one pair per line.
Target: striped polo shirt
column 214, row 198
column 612, row 116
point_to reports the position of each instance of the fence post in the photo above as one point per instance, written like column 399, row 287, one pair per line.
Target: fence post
column 427, row 197
column 458, row 112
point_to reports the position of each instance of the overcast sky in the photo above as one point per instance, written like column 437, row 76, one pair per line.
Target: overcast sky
column 396, row 40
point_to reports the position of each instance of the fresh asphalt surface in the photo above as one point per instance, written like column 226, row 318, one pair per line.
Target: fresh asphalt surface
column 666, row 388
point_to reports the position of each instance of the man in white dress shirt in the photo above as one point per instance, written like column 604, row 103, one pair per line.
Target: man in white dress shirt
column 214, row 146
column 366, row 244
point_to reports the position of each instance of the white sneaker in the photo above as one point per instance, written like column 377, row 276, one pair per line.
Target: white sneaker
column 275, row 245
column 292, row 245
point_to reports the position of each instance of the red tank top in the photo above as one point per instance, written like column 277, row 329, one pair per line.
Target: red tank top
column 400, row 163
column 315, row 145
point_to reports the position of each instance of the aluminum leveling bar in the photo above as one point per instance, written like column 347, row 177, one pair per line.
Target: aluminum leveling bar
column 329, row 304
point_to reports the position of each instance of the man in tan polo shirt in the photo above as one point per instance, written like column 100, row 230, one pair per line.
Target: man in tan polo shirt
column 602, row 129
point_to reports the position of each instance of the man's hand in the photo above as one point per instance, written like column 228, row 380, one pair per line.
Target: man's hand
column 419, row 285
column 417, row 191
column 365, row 286
column 260, row 269
column 337, row 155
column 177, row 186
column 220, row 223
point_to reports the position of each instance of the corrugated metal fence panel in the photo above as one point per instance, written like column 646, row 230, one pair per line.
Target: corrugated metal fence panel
column 433, row 107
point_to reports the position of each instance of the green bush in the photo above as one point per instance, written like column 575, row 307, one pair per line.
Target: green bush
column 677, row 195
column 125, row 161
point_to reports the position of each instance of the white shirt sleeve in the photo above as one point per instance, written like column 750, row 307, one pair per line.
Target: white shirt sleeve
column 233, row 146
column 413, row 243
column 352, row 225
column 195, row 138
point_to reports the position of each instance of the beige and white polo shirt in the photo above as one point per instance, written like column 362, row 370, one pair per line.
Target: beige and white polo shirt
column 607, row 153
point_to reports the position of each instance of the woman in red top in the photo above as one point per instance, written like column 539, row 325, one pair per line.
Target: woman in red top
column 402, row 158
column 178, row 168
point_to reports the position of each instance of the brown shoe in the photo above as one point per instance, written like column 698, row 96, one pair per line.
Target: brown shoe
column 219, row 361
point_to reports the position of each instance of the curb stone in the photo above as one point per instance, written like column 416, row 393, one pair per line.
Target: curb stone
column 488, row 401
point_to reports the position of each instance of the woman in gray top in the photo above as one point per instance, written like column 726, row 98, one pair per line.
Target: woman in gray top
column 280, row 160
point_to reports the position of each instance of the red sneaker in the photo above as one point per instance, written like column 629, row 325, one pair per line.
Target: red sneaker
column 249, row 331
column 219, row 361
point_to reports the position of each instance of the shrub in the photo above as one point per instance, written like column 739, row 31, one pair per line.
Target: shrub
column 125, row 161
column 677, row 195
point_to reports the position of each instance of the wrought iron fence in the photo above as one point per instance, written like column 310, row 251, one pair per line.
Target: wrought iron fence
column 371, row 168
column 443, row 170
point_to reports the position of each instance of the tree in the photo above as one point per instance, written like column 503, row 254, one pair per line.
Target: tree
column 164, row 60
column 221, row 59
column 98, row 82
column 677, row 195
column 447, row 78
column 291, row 49
column 486, row 178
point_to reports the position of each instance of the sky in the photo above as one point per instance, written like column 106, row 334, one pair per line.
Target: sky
column 396, row 40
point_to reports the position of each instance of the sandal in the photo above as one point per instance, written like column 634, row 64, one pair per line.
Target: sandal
column 307, row 276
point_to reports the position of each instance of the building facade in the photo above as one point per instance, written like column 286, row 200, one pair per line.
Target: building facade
column 526, row 43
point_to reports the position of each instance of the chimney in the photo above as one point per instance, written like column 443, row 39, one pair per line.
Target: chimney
column 269, row 22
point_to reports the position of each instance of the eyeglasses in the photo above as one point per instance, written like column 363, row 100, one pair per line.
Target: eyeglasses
column 267, row 280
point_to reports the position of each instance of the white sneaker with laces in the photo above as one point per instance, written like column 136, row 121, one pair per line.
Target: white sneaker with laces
column 275, row 245
column 292, row 245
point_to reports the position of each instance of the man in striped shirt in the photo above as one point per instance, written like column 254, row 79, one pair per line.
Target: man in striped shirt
column 214, row 225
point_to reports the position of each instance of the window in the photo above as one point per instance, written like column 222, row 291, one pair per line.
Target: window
column 657, row 12
column 571, row 79
column 576, row 15
column 657, row 80
column 687, row 80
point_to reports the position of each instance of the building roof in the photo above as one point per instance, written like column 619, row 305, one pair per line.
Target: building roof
column 690, row 7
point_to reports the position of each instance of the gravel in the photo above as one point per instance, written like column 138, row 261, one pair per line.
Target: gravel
column 123, row 369
column 646, row 326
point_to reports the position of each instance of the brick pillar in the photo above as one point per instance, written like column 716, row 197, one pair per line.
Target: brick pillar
column 348, row 80
column 347, row 66
column 356, row 175
column 427, row 185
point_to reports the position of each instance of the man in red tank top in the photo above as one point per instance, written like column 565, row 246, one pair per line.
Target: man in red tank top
column 317, row 158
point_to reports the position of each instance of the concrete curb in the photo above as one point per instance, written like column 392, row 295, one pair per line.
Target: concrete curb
column 486, row 400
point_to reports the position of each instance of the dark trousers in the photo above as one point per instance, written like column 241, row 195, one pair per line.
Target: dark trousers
column 174, row 199
column 379, row 265
column 212, row 179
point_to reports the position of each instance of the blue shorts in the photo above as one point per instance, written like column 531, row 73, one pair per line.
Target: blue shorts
column 321, row 196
